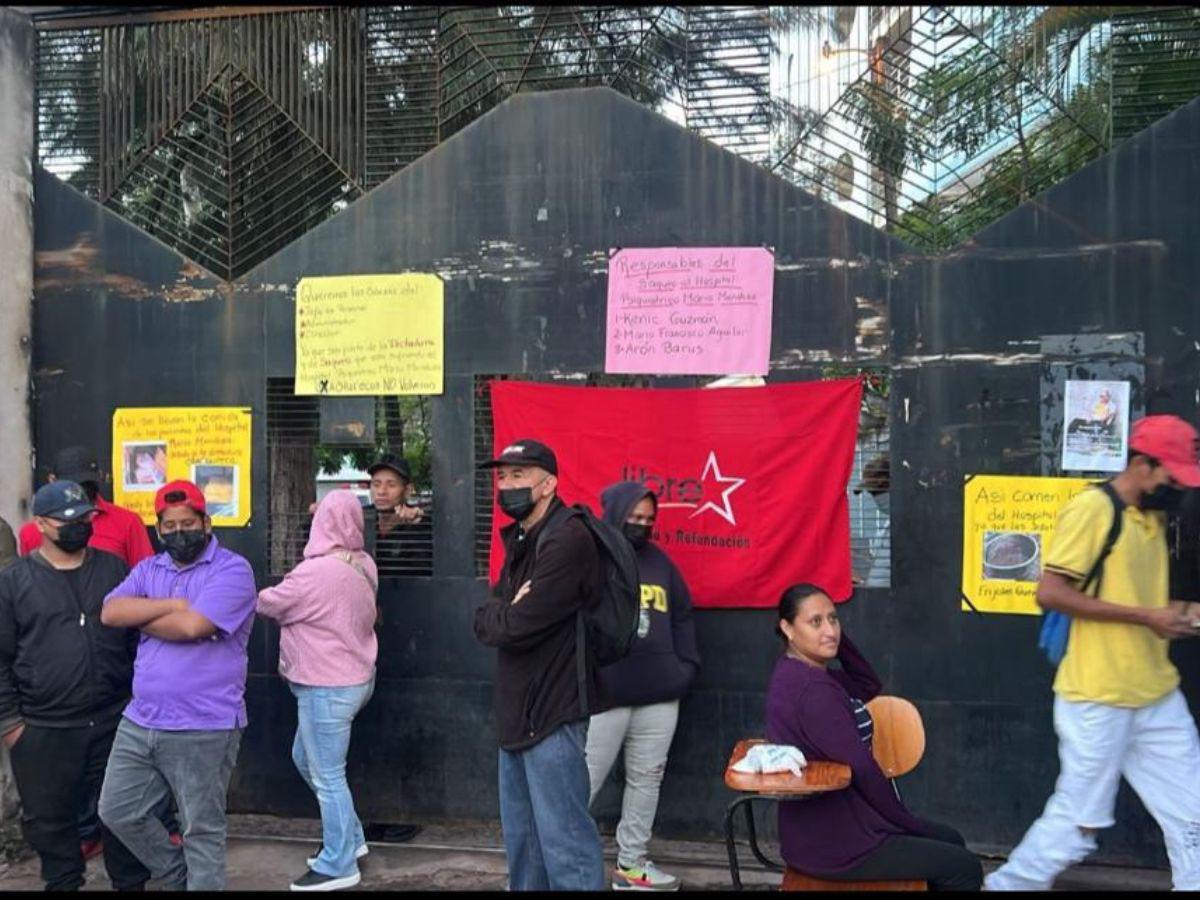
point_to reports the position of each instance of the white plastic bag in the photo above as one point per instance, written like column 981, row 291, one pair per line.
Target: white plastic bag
column 767, row 758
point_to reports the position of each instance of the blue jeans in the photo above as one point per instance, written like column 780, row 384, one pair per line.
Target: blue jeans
column 319, row 751
column 550, row 838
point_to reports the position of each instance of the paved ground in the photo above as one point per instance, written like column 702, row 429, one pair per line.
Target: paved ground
column 266, row 853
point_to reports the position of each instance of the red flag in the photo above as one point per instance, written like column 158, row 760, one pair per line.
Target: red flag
column 751, row 482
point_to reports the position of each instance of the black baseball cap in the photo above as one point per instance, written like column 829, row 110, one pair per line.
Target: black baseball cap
column 76, row 464
column 525, row 452
column 61, row 499
column 397, row 464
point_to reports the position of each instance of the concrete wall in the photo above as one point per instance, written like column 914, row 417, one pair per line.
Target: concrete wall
column 16, row 280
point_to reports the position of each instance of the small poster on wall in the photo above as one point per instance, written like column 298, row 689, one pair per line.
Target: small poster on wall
column 207, row 445
column 690, row 310
column 366, row 335
column 1008, row 524
column 1095, row 426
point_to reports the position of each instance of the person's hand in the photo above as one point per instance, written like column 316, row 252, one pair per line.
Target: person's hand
column 11, row 738
column 523, row 590
column 312, row 508
column 1191, row 612
column 1168, row 623
column 408, row 515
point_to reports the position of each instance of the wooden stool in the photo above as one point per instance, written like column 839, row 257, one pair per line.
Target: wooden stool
column 798, row 881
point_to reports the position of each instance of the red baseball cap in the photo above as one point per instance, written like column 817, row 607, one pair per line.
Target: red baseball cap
column 179, row 493
column 1172, row 442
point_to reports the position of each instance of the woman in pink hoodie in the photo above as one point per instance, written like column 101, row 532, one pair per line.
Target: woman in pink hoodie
column 326, row 611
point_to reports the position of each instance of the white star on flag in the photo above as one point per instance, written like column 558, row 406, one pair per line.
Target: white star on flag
column 724, row 510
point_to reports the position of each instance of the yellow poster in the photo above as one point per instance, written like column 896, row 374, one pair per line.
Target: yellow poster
column 366, row 335
column 1008, row 523
column 207, row 445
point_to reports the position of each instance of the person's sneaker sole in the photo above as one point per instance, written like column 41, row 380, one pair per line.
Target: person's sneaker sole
column 358, row 854
column 627, row 886
column 333, row 884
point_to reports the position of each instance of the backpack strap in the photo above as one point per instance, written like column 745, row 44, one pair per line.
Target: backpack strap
column 1114, row 533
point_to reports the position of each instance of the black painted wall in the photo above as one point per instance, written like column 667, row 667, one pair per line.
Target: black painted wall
column 517, row 212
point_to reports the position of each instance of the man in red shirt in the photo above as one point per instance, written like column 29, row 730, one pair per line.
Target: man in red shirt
column 115, row 530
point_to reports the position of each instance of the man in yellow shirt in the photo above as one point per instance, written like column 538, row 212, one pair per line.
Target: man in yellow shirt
column 1118, row 711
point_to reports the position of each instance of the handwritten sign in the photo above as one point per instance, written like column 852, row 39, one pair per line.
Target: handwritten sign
column 207, row 445
column 366, row 335
column 1008, row 524
column 690, row 310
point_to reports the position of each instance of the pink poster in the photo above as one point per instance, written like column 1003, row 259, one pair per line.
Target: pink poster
column 689, row 311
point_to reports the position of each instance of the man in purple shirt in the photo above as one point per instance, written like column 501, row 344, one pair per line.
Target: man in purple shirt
column 194, row 605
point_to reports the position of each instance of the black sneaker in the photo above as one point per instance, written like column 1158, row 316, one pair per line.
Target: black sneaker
column 315, row 881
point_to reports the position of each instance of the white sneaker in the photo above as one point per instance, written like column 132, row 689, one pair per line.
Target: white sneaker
column 315, row 881
column 358, row 854
column 646, row 877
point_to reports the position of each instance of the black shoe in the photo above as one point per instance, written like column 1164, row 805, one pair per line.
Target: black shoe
column 315, row 881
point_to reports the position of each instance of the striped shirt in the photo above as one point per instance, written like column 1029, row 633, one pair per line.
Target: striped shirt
column 862, row 718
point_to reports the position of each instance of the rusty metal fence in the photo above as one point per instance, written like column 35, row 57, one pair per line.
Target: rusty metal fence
column 229, row 132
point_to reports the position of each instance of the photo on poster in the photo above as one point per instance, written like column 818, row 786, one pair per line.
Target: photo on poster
column 219, row 485
column 1012, row 556
column 145, row 465
column 1095, row 426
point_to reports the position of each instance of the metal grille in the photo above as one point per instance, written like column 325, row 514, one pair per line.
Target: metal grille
column 294, row 456
column 944, row 118
column 1155, row 63
column 227, row 134
column 728, row 77
column 490, row 53
column 401, row 88
column 870, row 526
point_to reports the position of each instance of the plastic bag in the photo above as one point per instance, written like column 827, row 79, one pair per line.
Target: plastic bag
column 767, row 758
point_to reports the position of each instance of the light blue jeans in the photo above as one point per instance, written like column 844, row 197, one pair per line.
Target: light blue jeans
column 319, row 751
column 550, row 838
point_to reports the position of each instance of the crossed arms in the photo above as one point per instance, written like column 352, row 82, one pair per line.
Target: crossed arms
column 165, row 619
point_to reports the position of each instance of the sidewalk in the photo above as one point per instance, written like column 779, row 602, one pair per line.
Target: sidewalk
column 266, row 853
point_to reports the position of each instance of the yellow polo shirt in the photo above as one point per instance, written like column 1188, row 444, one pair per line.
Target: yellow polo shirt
column 1111, row 662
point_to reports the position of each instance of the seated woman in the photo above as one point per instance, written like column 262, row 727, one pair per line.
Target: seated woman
column 862, row 833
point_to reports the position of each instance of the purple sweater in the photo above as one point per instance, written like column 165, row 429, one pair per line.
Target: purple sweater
column 809, row 708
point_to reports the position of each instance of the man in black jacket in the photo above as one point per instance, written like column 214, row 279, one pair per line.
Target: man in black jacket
column 64, row 680
column 550, row 839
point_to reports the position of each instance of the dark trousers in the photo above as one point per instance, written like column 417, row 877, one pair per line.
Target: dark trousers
column 56, row 770
column 943, row 861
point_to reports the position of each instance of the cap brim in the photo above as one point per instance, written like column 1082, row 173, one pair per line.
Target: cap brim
column 1187, row 474
column 496, row 463
column 77, row 511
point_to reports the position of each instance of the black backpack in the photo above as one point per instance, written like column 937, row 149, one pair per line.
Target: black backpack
column 609, row 627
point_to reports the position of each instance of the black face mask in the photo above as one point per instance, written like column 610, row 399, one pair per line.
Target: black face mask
column 637, row 533
column 1163, row 497
column 516, row 503
column 73, row 536
column 185, row 546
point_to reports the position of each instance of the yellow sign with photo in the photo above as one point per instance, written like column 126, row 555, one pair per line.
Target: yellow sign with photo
column 1008, row 524
column 207, row 445
column 370, row 335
